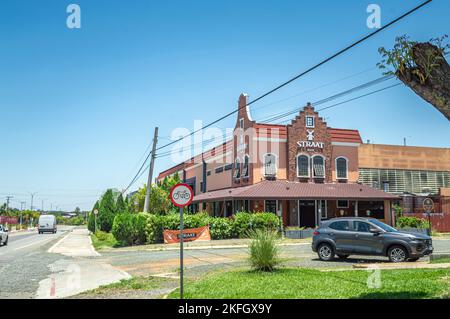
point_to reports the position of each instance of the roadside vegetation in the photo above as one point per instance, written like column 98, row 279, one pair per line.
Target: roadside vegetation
column 264, row 253
column 301, row 283
column 123, row 220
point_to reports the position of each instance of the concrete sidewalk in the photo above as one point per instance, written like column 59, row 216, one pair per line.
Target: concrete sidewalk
column 82, row 271
column 199, row 245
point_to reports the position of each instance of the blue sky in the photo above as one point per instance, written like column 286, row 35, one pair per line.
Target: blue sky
column 78, row 107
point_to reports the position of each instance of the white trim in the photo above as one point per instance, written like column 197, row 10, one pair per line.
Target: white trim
column 264, row 164
column 212, row 159
column 309, row 164
column 194, row 166
column 336, row 170
column 324, row 166
column 345, row 144
column 241, row 123
column 270, row 139
column 306, row 121
column 348, row 203
column 243, row 164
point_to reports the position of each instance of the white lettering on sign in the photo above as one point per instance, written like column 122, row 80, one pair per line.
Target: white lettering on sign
column 311, row 144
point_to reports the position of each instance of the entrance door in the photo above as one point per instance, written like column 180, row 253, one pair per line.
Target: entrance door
column 307, row 213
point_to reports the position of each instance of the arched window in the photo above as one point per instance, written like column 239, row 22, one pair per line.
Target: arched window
column 302, row 166
column 270, row 165
column 245, row 169
column 341, row 168
column 319, row 166
column 237, row 169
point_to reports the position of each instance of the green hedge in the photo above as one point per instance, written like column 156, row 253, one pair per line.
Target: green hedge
column 144, row 228
column 412, row 222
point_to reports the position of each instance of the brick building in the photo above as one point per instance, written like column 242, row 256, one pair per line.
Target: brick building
column 307, row 172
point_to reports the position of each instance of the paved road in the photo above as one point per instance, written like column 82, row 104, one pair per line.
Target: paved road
column 198, row 261
column 24, row 262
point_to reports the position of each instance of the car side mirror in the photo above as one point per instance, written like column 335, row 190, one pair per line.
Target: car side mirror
column 375, row 231
column 6, row 230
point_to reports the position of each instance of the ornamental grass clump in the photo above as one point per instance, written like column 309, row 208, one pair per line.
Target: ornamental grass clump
column 263, row 250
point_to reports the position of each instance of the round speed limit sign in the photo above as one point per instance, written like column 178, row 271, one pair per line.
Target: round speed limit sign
column 181, row 195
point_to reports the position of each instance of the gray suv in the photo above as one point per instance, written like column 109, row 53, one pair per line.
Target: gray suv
column 367, row 236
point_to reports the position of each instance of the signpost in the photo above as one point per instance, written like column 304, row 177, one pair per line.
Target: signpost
column 95, row 219
column 181, row 196
column 428, row 206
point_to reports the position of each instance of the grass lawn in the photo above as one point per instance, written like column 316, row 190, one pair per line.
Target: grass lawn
column 103, row 240
column 302, row 283
column 441, row 260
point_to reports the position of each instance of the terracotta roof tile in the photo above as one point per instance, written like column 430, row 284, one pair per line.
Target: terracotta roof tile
column 296, row 190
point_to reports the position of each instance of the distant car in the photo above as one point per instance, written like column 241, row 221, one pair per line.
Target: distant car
column 47, row 224
column 3, row 236
column 368, row 236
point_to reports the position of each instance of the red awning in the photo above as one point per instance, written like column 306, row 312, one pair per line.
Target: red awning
column 295, row 190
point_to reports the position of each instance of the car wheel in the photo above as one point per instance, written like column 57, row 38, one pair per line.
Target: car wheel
column 397, row 254
column 413, row 259
column 342, row 256
column 325, row 252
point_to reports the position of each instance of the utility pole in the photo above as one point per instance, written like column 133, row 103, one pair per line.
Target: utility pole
column 32, row 196
column 8, row 198
column 150, row 172
column 22, row 205
column 42, row 206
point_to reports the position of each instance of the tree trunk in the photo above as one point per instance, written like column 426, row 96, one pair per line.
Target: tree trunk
column 435, row 89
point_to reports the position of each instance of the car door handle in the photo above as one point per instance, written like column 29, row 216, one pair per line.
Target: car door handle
column 356, row 236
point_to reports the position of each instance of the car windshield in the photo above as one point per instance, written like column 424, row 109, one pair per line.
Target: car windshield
column 383, row 226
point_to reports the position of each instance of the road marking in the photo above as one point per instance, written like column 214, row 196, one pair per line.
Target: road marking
column 58, row 242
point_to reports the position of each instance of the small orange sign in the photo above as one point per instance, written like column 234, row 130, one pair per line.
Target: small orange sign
column 173, row 236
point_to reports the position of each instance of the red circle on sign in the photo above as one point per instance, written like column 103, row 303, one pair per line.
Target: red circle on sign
column 191, row 195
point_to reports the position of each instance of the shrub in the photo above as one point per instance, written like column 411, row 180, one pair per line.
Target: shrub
column 412, row 222
column 221, row 228
column 241, row 225
column 153, row 229
column 123, row 229
column 139, row 223
column 195, row 220
column 246, row 222
column 263, row 250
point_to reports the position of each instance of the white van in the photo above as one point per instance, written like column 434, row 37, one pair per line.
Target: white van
column 47, row 223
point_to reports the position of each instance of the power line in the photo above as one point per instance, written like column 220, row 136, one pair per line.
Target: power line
column 277, row 116
column 305, row 72
column 285, row 83
column 353, row 99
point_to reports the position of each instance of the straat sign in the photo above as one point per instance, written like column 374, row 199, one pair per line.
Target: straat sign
column 195, row 234
column 310, row 144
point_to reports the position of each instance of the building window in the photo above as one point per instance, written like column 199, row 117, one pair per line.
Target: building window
column 219, row 170
column 386, row 186
column 319, row 166
column 237, row 169
column 323, row 209
column 341, row 168
column 241, row 123
column 270, row 165
column 270, row 206
column 310, row 121
column 208, row 173
column 302, row 166
column 245, row 169
column 228, row 167
column 342, row 204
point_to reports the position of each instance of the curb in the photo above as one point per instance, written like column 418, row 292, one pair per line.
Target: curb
column 193, row 247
